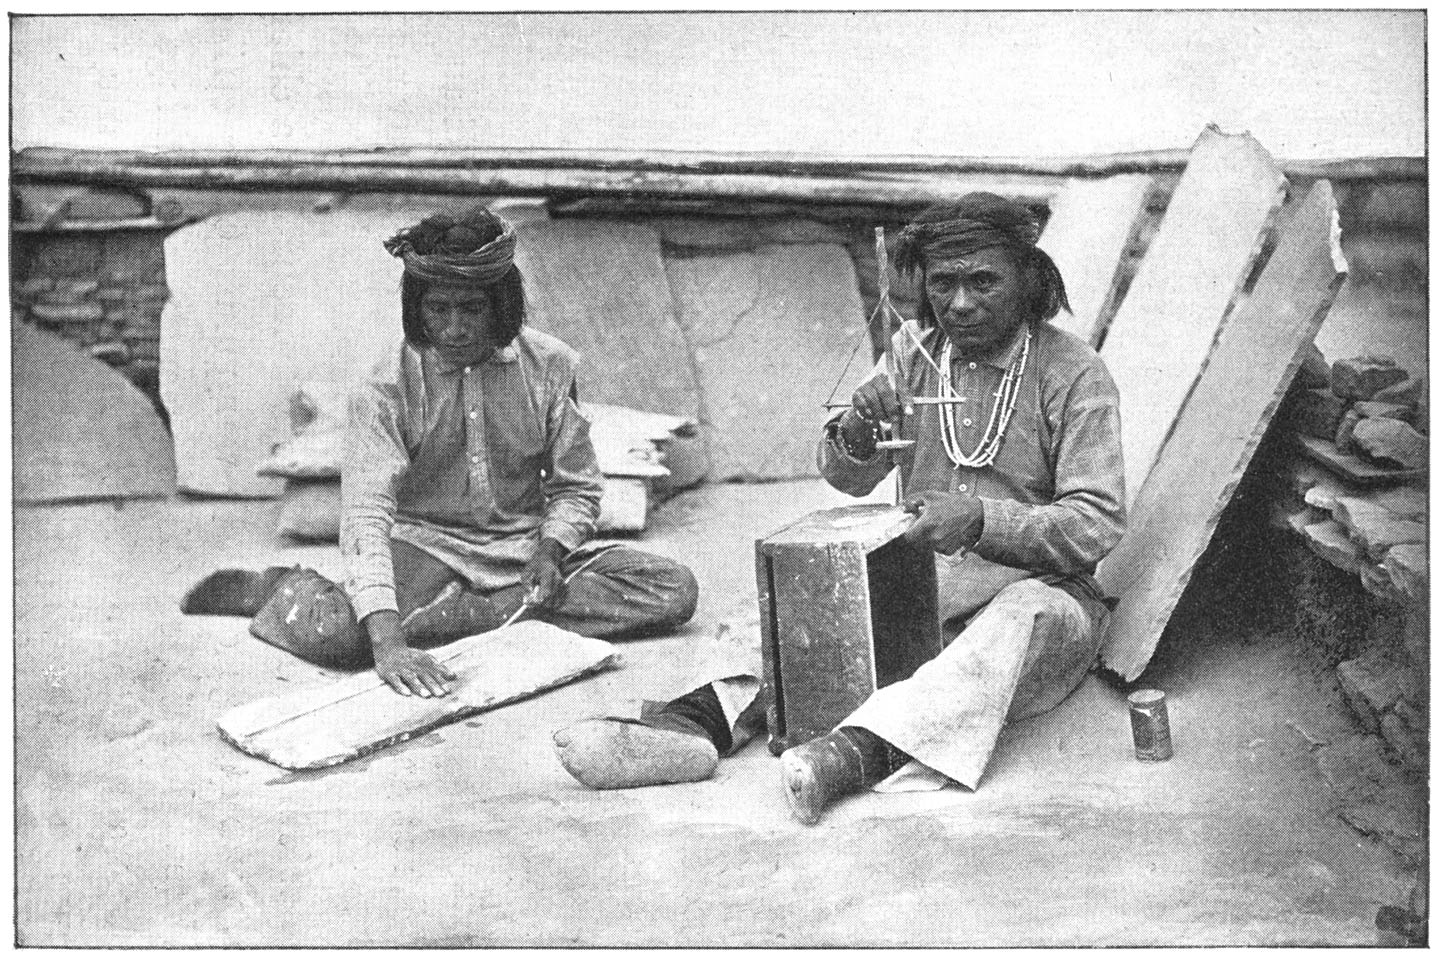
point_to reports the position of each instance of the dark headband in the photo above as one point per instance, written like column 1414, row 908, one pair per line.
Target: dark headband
column 919, row 242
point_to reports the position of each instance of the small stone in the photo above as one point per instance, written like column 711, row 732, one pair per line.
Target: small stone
column 1345, row 433
column 1362, row 377
column 1328, row 541
column 1324, row 494
column 1392, row 441
column 1374, row 409
column 112, row 294
column 67, row 312
column 37, row 285
column 1409, row 569
column 1409, row 744
column 1376, row 581
column 1373, row 683
column 1406, row 502
column 1406, row 392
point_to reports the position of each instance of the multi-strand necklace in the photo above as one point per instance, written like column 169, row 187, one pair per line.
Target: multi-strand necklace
column 1000, row 411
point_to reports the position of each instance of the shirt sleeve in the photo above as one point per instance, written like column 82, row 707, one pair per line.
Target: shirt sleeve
column 573, row 482
column 847, row 474
column 375, row 460
column 1087, row 517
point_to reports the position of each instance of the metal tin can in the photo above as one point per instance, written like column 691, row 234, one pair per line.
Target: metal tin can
column 1150, row 724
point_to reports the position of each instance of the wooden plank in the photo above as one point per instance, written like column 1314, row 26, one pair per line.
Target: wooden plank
column 1352, row 469
column 600, row 287
column 340, row 721
column 1199, row 260
column 81, row 429
column 1251, row 367
column 1087, row 233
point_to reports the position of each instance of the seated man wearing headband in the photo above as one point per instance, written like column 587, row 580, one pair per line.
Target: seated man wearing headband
column 1018, row 487
column 469, row 487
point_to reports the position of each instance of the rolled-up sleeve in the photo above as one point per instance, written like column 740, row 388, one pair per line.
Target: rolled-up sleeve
column 1087, row 517
column 573, row 482
column 375, row 459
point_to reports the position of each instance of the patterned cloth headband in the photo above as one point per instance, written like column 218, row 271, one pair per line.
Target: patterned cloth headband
column 484, row 266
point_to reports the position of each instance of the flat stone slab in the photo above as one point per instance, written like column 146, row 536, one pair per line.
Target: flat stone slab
column 81, row 430
column 262, row 302
column 771, row 332
column 600, row 286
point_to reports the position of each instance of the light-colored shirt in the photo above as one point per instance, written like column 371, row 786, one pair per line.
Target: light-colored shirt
column 472, row 465
column 1054, row 498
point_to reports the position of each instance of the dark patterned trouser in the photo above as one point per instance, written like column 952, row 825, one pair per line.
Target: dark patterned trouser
column 617, row 592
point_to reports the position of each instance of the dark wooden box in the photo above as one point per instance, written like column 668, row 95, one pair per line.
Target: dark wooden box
column 847, row 606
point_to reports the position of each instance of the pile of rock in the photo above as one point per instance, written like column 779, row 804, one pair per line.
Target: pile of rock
column 1358, row 497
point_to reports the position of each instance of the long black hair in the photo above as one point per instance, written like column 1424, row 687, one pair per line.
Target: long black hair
column 464, row 232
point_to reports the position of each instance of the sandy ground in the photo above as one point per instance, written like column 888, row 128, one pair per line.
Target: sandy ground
column 138, row 826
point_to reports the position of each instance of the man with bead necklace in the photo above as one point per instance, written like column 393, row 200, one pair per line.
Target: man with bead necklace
column 470, row 487
column 1017, row 485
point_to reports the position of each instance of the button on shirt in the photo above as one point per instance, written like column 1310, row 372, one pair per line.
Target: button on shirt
column 472, row 465
column 1054, row 499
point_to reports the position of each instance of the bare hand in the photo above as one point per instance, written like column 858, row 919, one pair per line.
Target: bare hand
column 413, row 671
column 947, row 521
column 544, row 585
column 878, row 399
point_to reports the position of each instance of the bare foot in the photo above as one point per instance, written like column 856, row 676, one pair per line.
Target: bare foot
column 620, row 754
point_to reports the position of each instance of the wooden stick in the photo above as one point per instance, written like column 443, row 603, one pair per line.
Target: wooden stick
column 915, row 400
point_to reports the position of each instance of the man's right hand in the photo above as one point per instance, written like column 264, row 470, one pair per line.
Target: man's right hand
column 877, row 399
column 407, row 671
column 413, row 671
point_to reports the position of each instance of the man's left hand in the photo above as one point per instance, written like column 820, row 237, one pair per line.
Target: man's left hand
column 947, row 521
column 544, row 586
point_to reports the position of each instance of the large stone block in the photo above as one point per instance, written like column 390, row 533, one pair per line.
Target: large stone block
column 81, row 430
column 600, row 286
column 260, row 303
column 771, row 332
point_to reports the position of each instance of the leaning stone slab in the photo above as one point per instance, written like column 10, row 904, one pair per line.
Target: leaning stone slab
column 771, row 332
column 1364, row 376
column 1394, row 442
